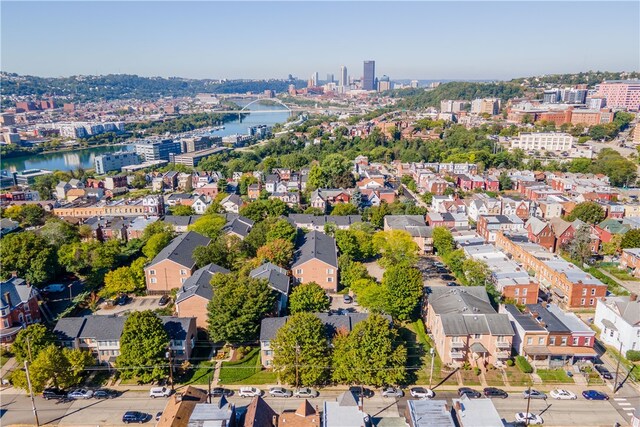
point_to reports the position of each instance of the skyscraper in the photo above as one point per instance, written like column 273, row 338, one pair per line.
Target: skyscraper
column 343, row 76
column 369, row 76
column 329, row 78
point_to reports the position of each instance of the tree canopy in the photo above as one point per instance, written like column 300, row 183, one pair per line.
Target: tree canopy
column 589, row 212
column 309, row 298
column 397, row 248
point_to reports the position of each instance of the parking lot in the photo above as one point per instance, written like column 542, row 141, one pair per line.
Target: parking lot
column 136, row 304
column 434, row 274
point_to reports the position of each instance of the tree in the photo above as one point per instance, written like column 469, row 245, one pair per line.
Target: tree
column 612, row 247
column 371, row 294
column 58, row 232
column 342, row 209
column 443, row 241
column 505, row 182
column 182, row 210
column 278, row 251
column 143, row 346
column 122, row 280
column 30, row 341
column 589, row 212
column 579, row 247
column 377, row 214
column 261, row 209
column 370, row 354
column 427, row 197
column 309, row 298
column 209, row 225
column 156, row 227
column 348, row 244
column 475, row 272
column 397, row 248
column 301, row 351
column 282, row 229
column 404, row 289
column 317, row 178
column 50, row 366
column 245, row 182
column 29, row 256
column 139, row 181
column 237, row 306
column 256, row 238
column 27, row 215
column 222, row 251
column 631, row 239
column 156, row 243
column 78, row 360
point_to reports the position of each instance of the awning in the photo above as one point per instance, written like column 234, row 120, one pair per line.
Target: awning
column 477, row 347
column 609, row 324
column 573, row 351
column 537, row 350
column 558, row 292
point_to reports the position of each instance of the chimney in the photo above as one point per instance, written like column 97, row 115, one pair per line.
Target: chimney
column 458, row 406
column 274, row 420
column 633, row 296
column 14, row 274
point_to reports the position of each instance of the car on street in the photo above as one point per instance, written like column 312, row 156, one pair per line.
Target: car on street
column 159, row 392
column 280, row 392
column 53, row 393
column 220, row 391
column 392, row 392
column 361, row 392
column 135, row 417
column 594, row 395
column 532, row 419
column 452, row 284
column 56, row 287
column 469, row 392
column 561, row 394
column 306, row 392
column 249, row 392
column 347, row 299
column 604, row 372
column 422, row 392
column 105, row 393
column 158, row 415
column 164, row 300
column 495, row 392
column 80, row 393
column 533, row 394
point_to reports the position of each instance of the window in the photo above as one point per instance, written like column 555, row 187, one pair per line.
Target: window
column 584, row 292
column 587, row 341
column 268, row 353
column 329, row 279
column 575, row 341
column 582, row 301
column 524, row 292
column 611, row 333
column 154, row 280
column 552, row 341
column 183, row 279
column 299, row 271
column 152, row 272
column 540, row 340
column 5, row 323
column 178, row 343
column 564, row 341
column 183, row 272
column 329, row 270
column 529, row 341
column 476, row 336
column 591, row 301
column 517, row 291
column 593, row 291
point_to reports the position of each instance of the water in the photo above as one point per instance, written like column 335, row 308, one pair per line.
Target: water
column 70, row 160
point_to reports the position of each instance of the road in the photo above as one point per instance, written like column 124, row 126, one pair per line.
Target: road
column 16, row 409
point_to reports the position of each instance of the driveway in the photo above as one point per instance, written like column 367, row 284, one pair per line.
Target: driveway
column 136, row 304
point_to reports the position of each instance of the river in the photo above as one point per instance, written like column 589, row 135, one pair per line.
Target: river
column 73, row 159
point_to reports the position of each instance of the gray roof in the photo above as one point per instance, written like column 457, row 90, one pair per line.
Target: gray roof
column 321, row 220
column 333, row 323
column 629, row 310
column 18, row 290
column 233, row 198
column 181, row 221
column 552, row 323
column 526, row 321
column 468, row 299
column 177, row 327
column 68, row 328
column 456, row 324
column 316, row 245
column 180, row 250
column 237, row 224
column 425, row 413
column 276, row 276
column 200, row 283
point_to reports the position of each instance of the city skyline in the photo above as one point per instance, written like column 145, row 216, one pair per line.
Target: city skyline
column 426, row 40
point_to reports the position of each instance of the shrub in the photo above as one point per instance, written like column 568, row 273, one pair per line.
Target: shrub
column 523, row 365
column 633, row 355
column 509, row 362
column 476, row 370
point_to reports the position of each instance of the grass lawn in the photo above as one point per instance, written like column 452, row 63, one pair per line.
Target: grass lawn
column 470, row 377
column 494, row 378
column 619, row 274
column 246, row 371
column 517, row 377
column 199, row 374
column 554, row 376
column 4, row 359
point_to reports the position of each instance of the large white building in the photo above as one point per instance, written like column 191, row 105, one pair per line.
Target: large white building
column 618, row 319
column 114, row 161
column 544, row 141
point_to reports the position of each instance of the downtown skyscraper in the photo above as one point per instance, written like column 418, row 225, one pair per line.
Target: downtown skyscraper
column 369, row 76
column 344, row 79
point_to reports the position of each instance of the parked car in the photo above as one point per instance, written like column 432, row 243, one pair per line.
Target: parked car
column 422, row 392
column 533, row 394
column 122, row 299
column 594, row 395
column 469, row 392
column 604, row 372
column 249, row 392
column 135, row 417
column 159, row 392
column 452, row 284
column 105, row 393
column 80, row 393
column 525, row 417
column 53, row 393
column 219, row 392
column 561, row 394
column 347, row 299
column 495, row 392
column 164, row 300
column 361, row 392
column 306, row 392
column 392, row 392
column 158, row 415
column 56, row 287
column 280, row 392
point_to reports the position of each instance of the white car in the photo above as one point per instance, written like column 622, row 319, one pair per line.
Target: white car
column 532, row 419
column 422, row 392
column 80, row 393
column 249, row 392
column 159, row 392
column 561, row 394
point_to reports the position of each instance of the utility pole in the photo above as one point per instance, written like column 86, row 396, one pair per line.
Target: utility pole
column 431, row 351
column 210, row 379
column 615, row 384
column 528, row 403
column 33, row 402
column 297, row 354
column 168, row 354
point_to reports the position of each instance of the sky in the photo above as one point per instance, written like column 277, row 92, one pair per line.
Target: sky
column 408, row 40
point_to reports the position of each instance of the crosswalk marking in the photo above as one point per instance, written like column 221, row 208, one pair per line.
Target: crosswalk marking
column 630, row 414
column 624, row 403
column 619, row 399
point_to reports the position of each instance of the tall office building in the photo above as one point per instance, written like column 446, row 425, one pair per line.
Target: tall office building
column 313, row 81
column 114, row 161
column 158, row 150
column 344, row 80
column 369, row 76
column 329, row 78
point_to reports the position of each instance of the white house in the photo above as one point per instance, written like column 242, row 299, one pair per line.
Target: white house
column 200, row 205
column 619, row 321
column 232, row 203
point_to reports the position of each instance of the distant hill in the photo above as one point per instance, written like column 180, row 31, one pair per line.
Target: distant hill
column 590, row 78
column 126, row 86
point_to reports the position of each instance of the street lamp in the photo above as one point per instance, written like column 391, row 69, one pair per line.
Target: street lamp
column 168, row 354
column 432, row 353
column 615, row 384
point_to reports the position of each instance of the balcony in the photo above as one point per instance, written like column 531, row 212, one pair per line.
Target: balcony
column 457, row 345
column 503, row 354
column 456, row 354
column 503, row 344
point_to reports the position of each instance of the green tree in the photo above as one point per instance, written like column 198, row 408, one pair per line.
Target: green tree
column 223, row 251
column 78, row 361
column 443, row 241
column 475, row 272
column 342, row 209
column 139, row 181
column 143, row 346
column 182, row 210
column 157, row 227
column 427, row 197
column 209, row 225
column 245, row 182
column 256, row 238
column 317, row 178
column 261, row 209
column 278, row 251
column 403, row 287
column 50, row 366
column 351, row 271
column 589, row 212
column 371, row 295
column 123, row 280
column 58, row 232
column 29, row 255
column 301, row 351
column 579, row 247
column 27, row 215
column 631, row 239
column 348, row 244
column 156, row 243
column 309, row 298
column 397, row 248
column 505, row 182
column 282, row 229
column 612, row 247
column 370, row 354
column 30, row 341
column 377, row 214
column 237, row 306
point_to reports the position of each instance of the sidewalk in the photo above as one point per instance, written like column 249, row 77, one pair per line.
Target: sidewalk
column 11, row 365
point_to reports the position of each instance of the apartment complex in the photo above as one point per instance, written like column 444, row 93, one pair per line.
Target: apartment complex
column 114, row 161
column 158, row 150
column 620, row 93
column 543, row 141
column 317, row 261
column 192, row 159
column 149, row 205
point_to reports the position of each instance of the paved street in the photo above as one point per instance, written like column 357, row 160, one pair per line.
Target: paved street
column 16, row 409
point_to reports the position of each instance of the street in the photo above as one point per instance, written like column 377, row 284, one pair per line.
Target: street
column 16, row 408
